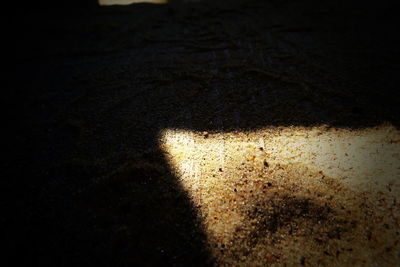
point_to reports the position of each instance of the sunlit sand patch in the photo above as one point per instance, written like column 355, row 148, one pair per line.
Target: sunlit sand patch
column 293, row 195
column 129, row 2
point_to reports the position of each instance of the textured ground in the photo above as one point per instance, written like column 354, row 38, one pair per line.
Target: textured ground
column 295, row 195
column 207, row 133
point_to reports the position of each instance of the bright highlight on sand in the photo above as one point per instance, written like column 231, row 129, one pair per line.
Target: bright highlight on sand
column 129, row 2
column 357, row 157
column 279, row 192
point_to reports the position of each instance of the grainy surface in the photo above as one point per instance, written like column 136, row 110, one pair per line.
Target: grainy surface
column 316, row 195
column 206, row 133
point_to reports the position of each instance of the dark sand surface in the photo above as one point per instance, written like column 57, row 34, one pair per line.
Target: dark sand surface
column 92, row 89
